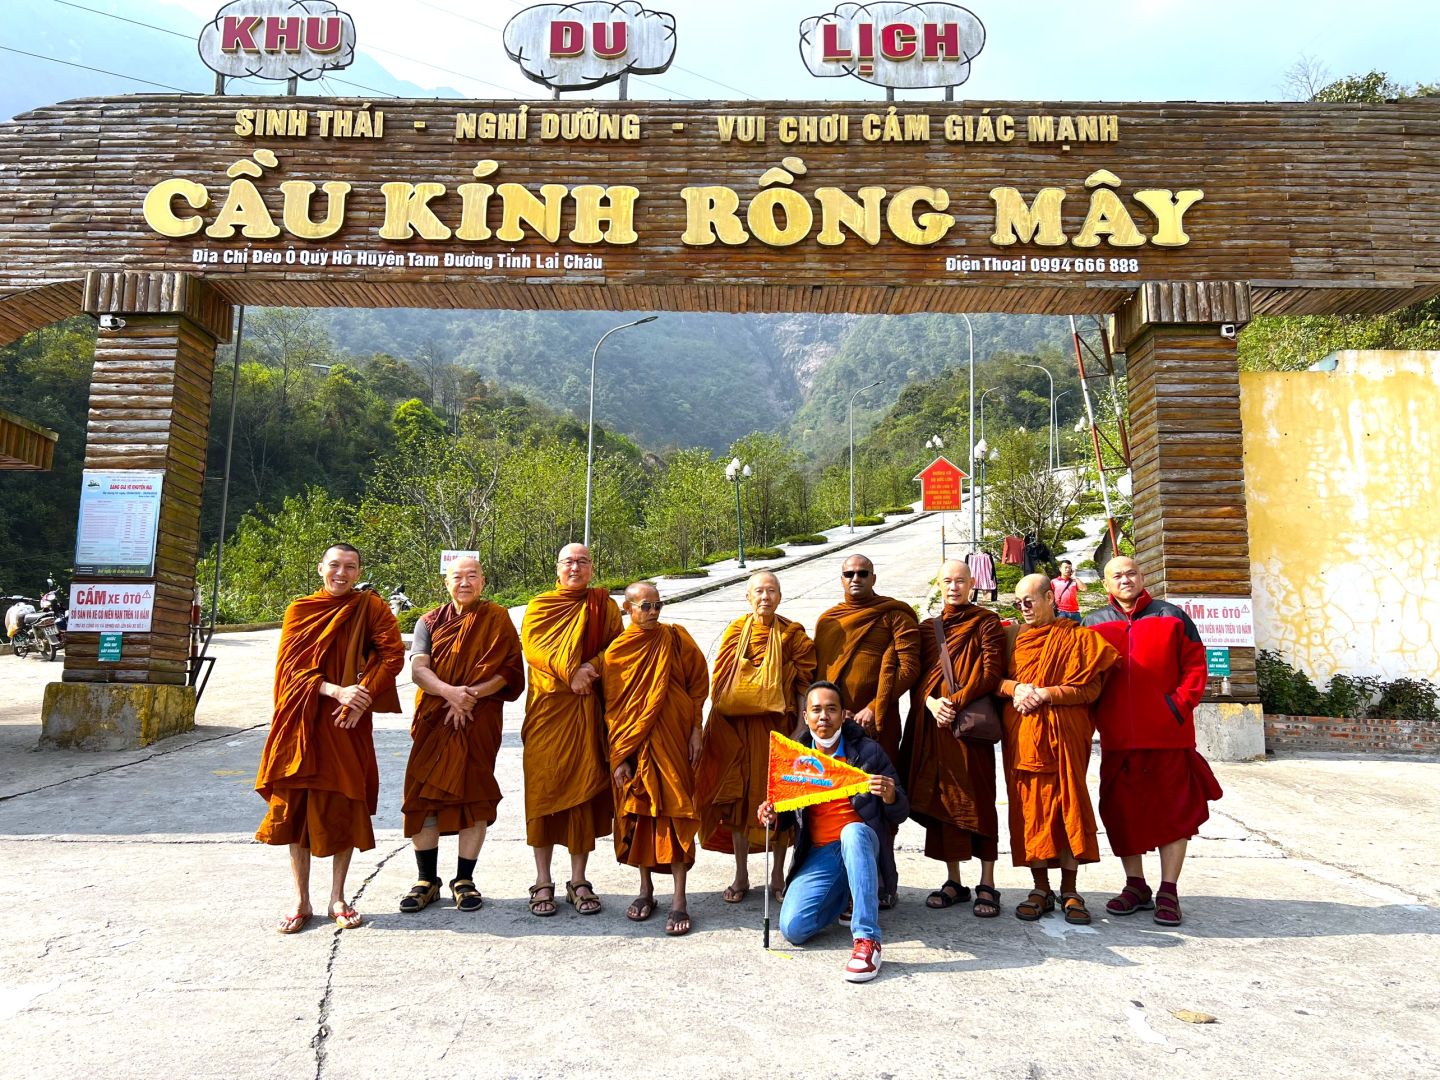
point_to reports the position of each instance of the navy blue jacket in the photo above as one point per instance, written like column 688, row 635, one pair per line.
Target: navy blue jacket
column 865, row 753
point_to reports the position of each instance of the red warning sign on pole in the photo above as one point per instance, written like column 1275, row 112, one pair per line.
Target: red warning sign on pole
column 940, row 485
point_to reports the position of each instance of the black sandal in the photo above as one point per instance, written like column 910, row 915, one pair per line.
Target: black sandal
column 947, row 896
column 1030, row 910
column 467, row 896
column 986, row 896
column 421, row 895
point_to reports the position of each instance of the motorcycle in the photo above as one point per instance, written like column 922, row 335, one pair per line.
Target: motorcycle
column 39, row 628
column 399, row 601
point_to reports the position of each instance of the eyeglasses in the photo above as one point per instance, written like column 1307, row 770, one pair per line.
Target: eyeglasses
column 648, row 606
column 854, row 573
column 1025, row 603
column 573, row 562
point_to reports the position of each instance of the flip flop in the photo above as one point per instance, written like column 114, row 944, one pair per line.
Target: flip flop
column 640, row 909
column 347, row 918
column 674, row 926
column 732, row 895
column 293, row 924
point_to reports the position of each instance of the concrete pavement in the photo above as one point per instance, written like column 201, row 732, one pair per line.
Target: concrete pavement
column 139, row 934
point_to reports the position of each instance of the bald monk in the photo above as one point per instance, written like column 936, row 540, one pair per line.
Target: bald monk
column 1155, row 788
column 869, row 646
column 340, row 651
column 1056, row 670
column 568, row 799
column 951, row 781
column 732, row 776
column 654, row 684
column 466, row 664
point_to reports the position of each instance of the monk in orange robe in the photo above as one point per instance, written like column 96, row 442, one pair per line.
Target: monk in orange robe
column 654, row 685
column 568, row 799
column 466, row 663
column 732, row 777
column 869, row 646
column 950, row 780
column 340, row 651
column 1056, row 670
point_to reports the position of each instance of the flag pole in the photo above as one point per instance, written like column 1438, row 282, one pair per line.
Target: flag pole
column 767, row 885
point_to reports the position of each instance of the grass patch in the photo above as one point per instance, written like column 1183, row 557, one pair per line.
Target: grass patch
column 805, row 539
column 686, row 573
column 892, row 511
column 869, row 519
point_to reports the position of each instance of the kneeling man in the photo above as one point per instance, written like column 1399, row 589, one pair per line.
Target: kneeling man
column 842, row 854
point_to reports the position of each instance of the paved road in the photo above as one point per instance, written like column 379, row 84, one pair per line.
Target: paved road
column 137, row 939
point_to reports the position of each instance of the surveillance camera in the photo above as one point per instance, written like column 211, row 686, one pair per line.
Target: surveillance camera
column 111, row 322
column 1227, row 330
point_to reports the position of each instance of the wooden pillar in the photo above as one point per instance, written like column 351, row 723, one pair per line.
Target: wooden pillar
column 149, row 409
column 1191, row 533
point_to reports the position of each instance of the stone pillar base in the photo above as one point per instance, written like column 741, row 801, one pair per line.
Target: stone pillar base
column 114, row 716
column 1230, row 731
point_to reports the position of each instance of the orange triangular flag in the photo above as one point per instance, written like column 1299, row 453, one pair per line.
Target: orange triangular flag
column 802, row 776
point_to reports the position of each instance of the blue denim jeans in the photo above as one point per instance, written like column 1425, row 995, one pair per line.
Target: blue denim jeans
column 828, row 878
column 1073, row 616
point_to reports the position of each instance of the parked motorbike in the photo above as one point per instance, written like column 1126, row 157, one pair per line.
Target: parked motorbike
column 399, row 601
column 37, row 625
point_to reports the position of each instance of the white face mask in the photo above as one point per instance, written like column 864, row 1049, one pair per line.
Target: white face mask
column 827, row 744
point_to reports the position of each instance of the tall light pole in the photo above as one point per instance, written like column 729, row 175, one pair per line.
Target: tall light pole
column 735, row 472
column 970, row 437
column 1055, row 425
column 981, row 449
column 850, row 421
column 1050, row 447
column 983, row 396
column 590, row 437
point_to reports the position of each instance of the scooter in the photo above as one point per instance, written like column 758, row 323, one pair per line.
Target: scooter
column 41, row 629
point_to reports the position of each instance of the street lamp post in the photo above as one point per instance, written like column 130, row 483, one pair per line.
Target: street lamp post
column 1056, row 426
column 1050, row 447
column 590, row 437
column 981, row 449
column 735, row 472
column 850, row 422
column 983, row 396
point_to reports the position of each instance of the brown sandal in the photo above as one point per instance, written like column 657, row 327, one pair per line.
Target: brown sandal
column 1167, row 909
column 584, row 905
column 1031, row 909
column 1076, row 913
column 537, row 903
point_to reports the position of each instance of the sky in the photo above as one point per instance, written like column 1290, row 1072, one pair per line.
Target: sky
column 1116, row 50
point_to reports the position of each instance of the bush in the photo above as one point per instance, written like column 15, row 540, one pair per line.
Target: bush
column 1007, row 577
column 763, row 553
column 892, row 511
column 1069, row 533
column 1088, row 564
column 1287, row 690
column 869, row 520
column 805, row 539
column 408, row 619
column 685, row 573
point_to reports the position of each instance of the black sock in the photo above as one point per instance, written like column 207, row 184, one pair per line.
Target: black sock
column 427, row 863
column 465, row 870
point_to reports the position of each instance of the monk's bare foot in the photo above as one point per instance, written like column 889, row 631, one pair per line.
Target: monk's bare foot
column 777, row 889
column 736, row 892
column 293, row 924
column 677, row 923
column 641, row 908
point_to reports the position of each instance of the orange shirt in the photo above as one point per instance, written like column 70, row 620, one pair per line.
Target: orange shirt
column 828, row 818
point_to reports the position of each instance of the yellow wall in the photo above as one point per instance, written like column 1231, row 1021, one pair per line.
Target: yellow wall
column 1342, row 485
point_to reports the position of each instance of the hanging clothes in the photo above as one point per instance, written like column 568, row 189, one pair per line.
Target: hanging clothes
column 1012, row 553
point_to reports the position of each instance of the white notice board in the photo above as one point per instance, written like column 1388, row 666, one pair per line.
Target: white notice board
column 119, row 518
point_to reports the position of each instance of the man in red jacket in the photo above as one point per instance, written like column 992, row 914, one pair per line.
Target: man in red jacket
column 1155, row 788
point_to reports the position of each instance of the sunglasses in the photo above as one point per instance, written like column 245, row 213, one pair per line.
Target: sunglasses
column 1024, row 603
column 647, row 606
column 854, row 573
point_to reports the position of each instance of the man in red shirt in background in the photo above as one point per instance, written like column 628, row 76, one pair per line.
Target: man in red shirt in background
column 1067, row 592
column 1155, row 788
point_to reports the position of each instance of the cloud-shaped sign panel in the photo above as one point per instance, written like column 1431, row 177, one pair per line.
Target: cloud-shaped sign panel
column 278, row 39
column 907, row 46
column 579, row 46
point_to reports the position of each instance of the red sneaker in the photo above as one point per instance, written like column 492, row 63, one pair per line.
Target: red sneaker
column 864, row 963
